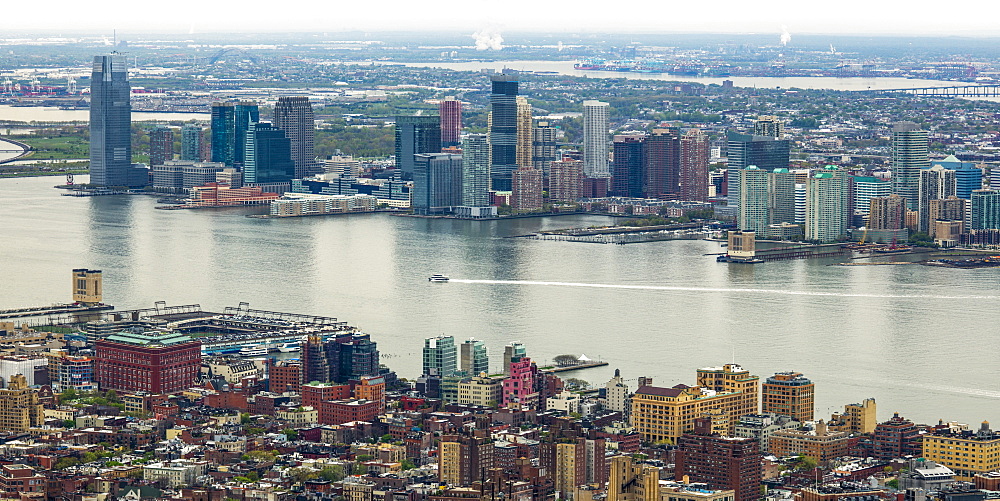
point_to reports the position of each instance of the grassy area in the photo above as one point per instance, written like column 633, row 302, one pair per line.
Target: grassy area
column 32, row 171
column 57, row 148
column 56, row 329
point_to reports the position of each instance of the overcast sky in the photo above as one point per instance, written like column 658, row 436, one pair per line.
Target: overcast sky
column 976, row 18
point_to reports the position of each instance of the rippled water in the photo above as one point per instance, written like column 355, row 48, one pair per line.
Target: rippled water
column 922, row 340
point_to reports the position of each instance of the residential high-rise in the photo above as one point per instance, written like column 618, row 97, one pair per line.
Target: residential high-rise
column 982, row 446
column 628, row 176
column 294, row 115
column 744, row 150
column 864, row 189
column 437, row 182
column 573, row 463
column 769, row 125
column 951, row 209
column 20, row 409
column 339, row 359
column 781, row 196
column 721, row 462
column 662, row 157
column 693, row 176
column 512, row 352
column 788, row 394
column 800, row 203
column 595, row 139
column 525, row 134
column 857, row 418
column 111, row 124
column 543, row 148
column 475, row 170
column 268, row 155
column 224, row 133
column 464, row 459
column 896, row 438
column 450, row 110
column 909, row 156
column 887, row 213
column 191, row 142
column 754, row 212
column 826, row 202
column 474, row 359
column 630, row 480
column 968, row 176
column 616, row 394
column 526, row 189
column 440, row 356
column 519, row 386
column 503, row 130
column 415, row 134
column 161, row 145
column 935, row 183
column 244, row 114
column 565, row 180
column 985, row 209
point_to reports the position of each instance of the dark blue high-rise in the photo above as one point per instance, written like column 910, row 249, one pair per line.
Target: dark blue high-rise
column 111, row 123
column 224, row 133
column 268, row 155
column 503, row 130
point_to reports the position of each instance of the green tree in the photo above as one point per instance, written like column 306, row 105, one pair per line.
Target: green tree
column 564, row 360
column 67, row 395
column 69, row 423
column 290, row 434
column 332, row 473
column 406, row 464
column 893, row 483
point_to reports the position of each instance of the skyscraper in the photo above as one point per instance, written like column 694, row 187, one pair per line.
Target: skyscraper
column 887, row 213
column 437, row 182
column 474, row 357
column 595, row 139
column 662, row 163
column 788, row 394
column 503, row 130
column 968, row 177
column 769, row 125
column 450, row 110
column 161, row 145
column 476, row 170
column 525, row 133
column 415, row 134
column 693, row 177
column 526, row 189
column 244, row 114
column 629, row 165
column 935, row 183
column 294, row 115
column 111, row 123
column 566, row 180
column 985, row 209
column 543, row 148
column 268, row 155
column 754, row 214
column 909, row 156
column 744, row 150
column 224, row 133
column 720, row 462
column 440, row 356
column 826, row 199
column 781, row 196
column 191, row 143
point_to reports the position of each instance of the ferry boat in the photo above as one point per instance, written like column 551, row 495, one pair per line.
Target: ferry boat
column 257, row 350
column 438, row 278
column 288, row 347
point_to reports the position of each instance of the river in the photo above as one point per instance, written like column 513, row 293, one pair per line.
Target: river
column 9, row 150
column 923, row 341
column 566, row 68
column 53, row 114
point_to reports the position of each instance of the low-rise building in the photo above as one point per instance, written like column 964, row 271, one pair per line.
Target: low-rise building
column 820, row 443
column 480, row 390
column 762, row 426
column 177, row 473
column 968, row 453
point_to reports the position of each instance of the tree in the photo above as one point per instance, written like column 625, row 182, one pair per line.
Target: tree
column 290, row 434
column 893, row 483
column 332, row 473
column 67, row 395
column 564, row 360
column 805, row 463
column 406, row 464
column 69, row 423
column 574, row 384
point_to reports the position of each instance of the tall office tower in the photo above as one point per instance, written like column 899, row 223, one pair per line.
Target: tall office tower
column 440, row 356
column 985, row 209
column 543, row 148
column 110, row 122
column 476, row 170
column 595, row 139
column 800, row 203
column 294, row 115
column 935, row 183
column 866, row 188
column 268, row 155
column 525, row 133
column 781, row 196
column 887, row 213
column 693, row 176
column 503, row 130
column 745, row 150
column 769, row 125
column 566, row 180
column 511, row 352
column 662, row 152
column 968, row 177
column 191, row 143
column 415, row 134
column 437, row 182
column 826, row 199
column 629, row 166
column 721, row 462
column 754, row 214
column 161, row 145
column 244, row 114
column 526, row 189
column 450, row 110
column 909, row 156
column 474, row 359
column 224, row 133
column 788, row 394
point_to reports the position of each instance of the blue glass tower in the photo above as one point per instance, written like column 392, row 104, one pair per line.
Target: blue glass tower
column 268, row 155
column 245, row 114
column 503, row 131
column 110, row 123
column 223, row 133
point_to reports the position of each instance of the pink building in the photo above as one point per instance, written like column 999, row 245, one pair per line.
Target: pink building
column 519, row 387
column 451, row 121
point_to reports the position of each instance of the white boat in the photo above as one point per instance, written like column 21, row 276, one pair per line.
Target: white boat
column 288, row 347
column 438, row 278
column 257, row 350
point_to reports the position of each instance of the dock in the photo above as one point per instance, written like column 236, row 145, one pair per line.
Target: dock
column 576, row 367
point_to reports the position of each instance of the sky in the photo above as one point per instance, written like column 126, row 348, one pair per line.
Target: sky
column 976, row 18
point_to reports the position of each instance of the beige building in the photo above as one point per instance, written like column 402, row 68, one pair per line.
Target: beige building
column 856, row 418
column 178, row 473
column 822, row 443
column 303, row 416
column 480, row 390
column 967, row 453
column 525, row 134
column 87, row 287
column 684, row 491
column 19, row 406
column 631, row 481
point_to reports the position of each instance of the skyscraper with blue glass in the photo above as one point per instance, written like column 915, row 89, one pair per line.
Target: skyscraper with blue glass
column 224, row 133
column 244, row 115
column 111, row 124
column 268, row 155
column 503, row 131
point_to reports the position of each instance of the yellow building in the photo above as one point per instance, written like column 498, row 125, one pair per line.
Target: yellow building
column 87, row 286
column 966, row 453
column 856, row 418
column 723, row 393
column 565, row 474
column 450, row 463
column 631, row 481
column 525, row 134
column 481, row 390
column 19, row 407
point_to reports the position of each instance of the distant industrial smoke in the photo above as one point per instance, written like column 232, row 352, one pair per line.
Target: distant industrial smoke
column 488, row 39
column 785, row 35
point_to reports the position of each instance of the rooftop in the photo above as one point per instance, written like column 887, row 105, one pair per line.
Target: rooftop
column 149, row 338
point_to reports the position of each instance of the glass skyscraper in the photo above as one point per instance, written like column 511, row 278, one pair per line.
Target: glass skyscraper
column 191, row 143
column 744, row 150
column 111, row 123
column 294, row 115
column 268, row 155
column 909, row 156
column 475, row 170
column 440, row 356
column 415, row 134
column 503, row 130
column 245, row 114
column 223, row 133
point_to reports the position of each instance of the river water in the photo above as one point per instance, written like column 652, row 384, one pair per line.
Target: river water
column 53, row 114
column 923, row 341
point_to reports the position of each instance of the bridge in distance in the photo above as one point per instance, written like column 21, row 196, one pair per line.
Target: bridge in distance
column 991, row 90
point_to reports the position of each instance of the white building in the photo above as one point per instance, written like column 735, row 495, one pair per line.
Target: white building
column 564, row 401
column 616, row 393
column 595, row 139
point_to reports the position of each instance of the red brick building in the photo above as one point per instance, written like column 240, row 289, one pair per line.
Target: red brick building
column 314, row 394
column 284, row 376
column 720, row 462
column 19, row 478
column 151, row 362
column 345, row 411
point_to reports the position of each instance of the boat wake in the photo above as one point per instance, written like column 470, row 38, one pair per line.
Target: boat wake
column 780, row 292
